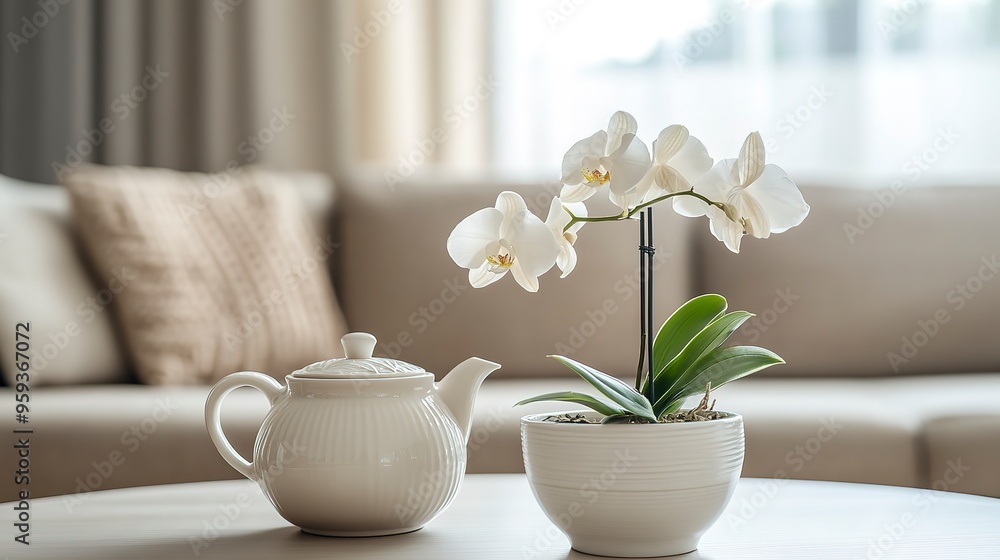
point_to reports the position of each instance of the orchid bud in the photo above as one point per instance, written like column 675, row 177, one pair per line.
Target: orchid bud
column 732, row 213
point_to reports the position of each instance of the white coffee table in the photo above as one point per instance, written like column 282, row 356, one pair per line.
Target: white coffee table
column 495, row 517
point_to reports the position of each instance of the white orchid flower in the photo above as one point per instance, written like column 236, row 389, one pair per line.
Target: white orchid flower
column 557, row 221
column 763, row 196
column 615, row 157
column 507, row 237
column 679, row 160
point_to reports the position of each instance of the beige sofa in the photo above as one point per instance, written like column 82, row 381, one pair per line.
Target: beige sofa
column 883, row 303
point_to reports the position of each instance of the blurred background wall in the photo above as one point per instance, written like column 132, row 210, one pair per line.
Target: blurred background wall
column 852, row 92
column 195, row 85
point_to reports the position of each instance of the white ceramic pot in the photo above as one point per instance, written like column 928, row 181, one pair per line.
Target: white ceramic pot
column 633, row 490
column 357, row 446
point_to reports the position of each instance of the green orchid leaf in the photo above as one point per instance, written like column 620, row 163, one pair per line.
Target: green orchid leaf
column 678, row 372
column 619, row 419
column 683, row 325
column 720, row 366
column 579, row 398
column 615, row 389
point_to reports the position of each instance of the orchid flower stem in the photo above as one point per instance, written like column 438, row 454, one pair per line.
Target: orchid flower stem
column 574, row 219
column 647, row 252
column 643, row 334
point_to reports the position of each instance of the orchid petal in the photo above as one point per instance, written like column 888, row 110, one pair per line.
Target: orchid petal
column 691, row 161
column 567, row 259
column 670, row 180
column 749, row 208
column 780, row 198
column 715, row 185
column 579, row 210
column 514, row 212
column 621, row 123
column 467, row 242
column 751, row 160
column 725, row 230
column 572, row 165
column 576, row 193
column 629, row 163
column 644, row 184
column 669, row 142
column 529, row 283
column 482, row 276
column 559, row 218
column 535, row 245
column 626, row 201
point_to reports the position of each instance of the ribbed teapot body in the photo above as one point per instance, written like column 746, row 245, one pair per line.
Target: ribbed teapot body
column 360, row 457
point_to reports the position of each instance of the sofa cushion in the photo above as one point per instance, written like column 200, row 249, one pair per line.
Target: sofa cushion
column 43, row 281
column 808, row 429
column 118, row 436
column 964, row 453
column 873, row 430
column 216, row 273
column 960, row 419
column 874, row 282
column 406, row 290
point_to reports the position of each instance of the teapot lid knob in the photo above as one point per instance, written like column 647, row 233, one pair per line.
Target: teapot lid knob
column 358, row 345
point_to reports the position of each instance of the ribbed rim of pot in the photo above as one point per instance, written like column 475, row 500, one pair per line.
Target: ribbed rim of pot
column 539, row 420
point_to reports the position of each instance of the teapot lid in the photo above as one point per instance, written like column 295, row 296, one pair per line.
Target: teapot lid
column 358, row 362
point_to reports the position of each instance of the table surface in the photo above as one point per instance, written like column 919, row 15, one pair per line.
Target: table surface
column 495, row 516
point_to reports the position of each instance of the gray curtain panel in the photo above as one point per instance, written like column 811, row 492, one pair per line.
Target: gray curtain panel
column 184, row 84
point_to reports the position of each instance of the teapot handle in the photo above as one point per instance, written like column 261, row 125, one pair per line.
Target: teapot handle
column 213, row 407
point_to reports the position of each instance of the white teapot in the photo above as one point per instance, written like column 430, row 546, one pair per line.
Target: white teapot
column 357, row 446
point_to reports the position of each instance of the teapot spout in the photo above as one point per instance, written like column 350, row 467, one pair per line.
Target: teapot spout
column 458, row 389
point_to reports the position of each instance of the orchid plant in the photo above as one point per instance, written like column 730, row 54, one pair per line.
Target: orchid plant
column 740, row 196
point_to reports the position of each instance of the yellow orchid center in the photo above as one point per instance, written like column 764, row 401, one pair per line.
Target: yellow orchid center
column 596, row 176
column 500, row 261
column 500, row 256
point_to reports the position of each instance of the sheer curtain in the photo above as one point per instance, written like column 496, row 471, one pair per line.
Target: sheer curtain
column 317, row 84
column 418, row 82
column 856, row 92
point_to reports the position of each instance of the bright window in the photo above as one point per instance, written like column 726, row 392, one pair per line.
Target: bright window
column 855, row 91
